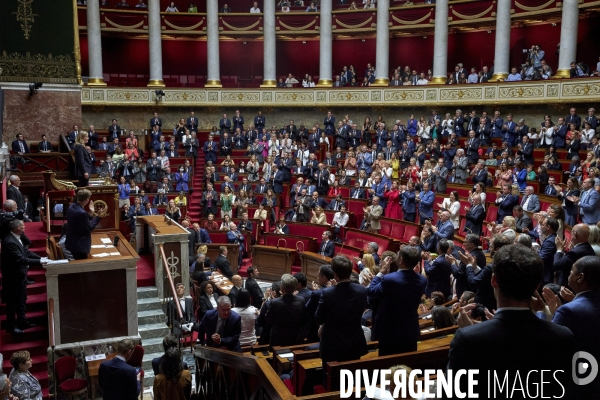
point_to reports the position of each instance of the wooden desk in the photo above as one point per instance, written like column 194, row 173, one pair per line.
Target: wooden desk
column 311, row 262
column 93, row 368
column 124, row 248
column 272, row 261
column 221, row 282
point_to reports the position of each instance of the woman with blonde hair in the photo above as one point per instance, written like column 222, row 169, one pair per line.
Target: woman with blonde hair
column 261, row 214
column 368, row 264
column 318, row 216
column 594, row 238
column 173, row 211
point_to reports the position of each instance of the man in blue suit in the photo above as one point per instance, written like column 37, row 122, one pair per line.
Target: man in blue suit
column 234, row 236
column 548, row 247
column 560, row 134
column 329, row 124
column 580, row 247
column 514, row 343
column 260, row 121
column 225, row 124
column 438, row 271
column 475, row 216
column 327, row 247
column 505, row 202
column 340, row 311
column 80, row 225
column 581, row 315
column 444, row 229
column 409, row 204
column 221, row 328
column 425, row 200
column 398, row 294
column 278, row 178
column 211, row 149
column 589, row 203
column 117, row 379
column 19, row 146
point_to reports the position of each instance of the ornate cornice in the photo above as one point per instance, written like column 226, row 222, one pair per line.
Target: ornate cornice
column 19, row 67
column 529, row 92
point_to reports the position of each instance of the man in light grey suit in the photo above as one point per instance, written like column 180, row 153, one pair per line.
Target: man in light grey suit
column 522, row 219
column 460, row 167
column 440, row 176
column 530, row 202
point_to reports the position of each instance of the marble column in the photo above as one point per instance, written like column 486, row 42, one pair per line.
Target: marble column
column 326, row 50
column 382, row 65
column 568, row 38
column 94, row 44
column 154, row 40
column 213, row 78
column 440, row 43
column 269, row 45
column 502, row 49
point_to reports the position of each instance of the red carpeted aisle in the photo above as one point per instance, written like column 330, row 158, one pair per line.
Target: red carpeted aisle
column 145, row 271
column 34, row 340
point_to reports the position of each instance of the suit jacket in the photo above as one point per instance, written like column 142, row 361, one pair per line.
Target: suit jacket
column 204, row 304
column 357, row 193
column 223, row 265
column 564, row 261
column 231, row 331
column 514, row 340
column 475, row 217
column 580, row 316
column 17, row 149
column 287, row 318
column 533, row 205
column 15, row 260
column 506, row 205
column 327, row 249
column 547, row 252
column 438, row 276
column 118, row 380
column 155, row 121
column 396, row 324
column 83, row 161
column 79, row 229
column 481, row 283
column 460, row 170
column 188, row 313
column 45, row 146
column 524, row 222
column 460, row 272
column 340, row 309
column 192, row 124
column 590, row 207
column 256, row 292
column 12, row 193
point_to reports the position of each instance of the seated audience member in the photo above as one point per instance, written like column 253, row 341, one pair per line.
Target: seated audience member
column 208, row 299
column 514, row 342
column 117, row 379
column 442, row 317
column 221, row 328
column 187, row 309
column 174, row 381
column 24, row 384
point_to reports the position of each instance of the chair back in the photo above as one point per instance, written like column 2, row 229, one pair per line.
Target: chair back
column 65, row 368
column 136, row 358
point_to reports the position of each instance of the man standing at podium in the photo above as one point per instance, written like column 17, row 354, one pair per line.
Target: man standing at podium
column 80, row 225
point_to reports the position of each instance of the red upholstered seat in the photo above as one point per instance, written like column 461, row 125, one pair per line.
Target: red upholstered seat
column 73, row 385
column 136, row 358
column 492, row 214
column 288, row 383
column 409, row 231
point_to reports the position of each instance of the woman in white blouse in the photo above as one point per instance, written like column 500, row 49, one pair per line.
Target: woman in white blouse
column 172, row 8
column 452, row 205
column 586, row 135
column 248, row 314
column 478, row 189
column 546, row 134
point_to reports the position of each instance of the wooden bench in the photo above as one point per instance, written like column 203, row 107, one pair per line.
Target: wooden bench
column 361, row 239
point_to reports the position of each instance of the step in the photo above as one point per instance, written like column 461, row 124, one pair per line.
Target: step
column 149, row 304
column 148, row 378
column 152, row 345
column 39, row 332
column 147, row 292
column 34, row 303
column 42, row 376
column 34, row 347
column 150, row 331
column 151, row 317
column 147, row 360
column 39, row 317
column 35, row 288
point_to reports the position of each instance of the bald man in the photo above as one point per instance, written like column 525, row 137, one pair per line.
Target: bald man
column 238, row 284
column 579, row 248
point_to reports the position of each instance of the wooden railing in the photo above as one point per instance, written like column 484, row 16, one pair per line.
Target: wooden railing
column 169, row 278
column 39, row 162
column 52, row 337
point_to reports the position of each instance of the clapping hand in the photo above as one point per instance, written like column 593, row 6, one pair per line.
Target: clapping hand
column 464, row 316
column 566, row 294
column 467, row 258
column 560, row 243
column 450, row 258
column 91, row 206
column 385, row 265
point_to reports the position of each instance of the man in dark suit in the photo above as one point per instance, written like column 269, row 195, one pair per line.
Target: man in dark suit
column 526, row 151
column 221, row 327
column 238, row 284
column 479, row 279
column 209, row 200
column 117, row 379
column 19, row 146
column 474, row 216
column 337, row 203
column 192, row 123
column 224, row 124
column 357, row 192
column 282, row 228
column 471, row 244
column 16, row 259
column 252, row 286
column 438, row 271
column 302, row 289
column 340, row 311
column 479, row 173
column 505, row 202
column 581, row 314
column 580, row 247
column 84, row 166
column 211, row 149
column 521, row 219
column 187, row 309
column 155, row 121
column 114, row 131
column 44, row 145
column 515, row 342
column 327, row 246
column 286, row 315
column 548, row 227
column 398, row 295
column 80, row 225
column 222, row 263
column 472, row 147
column 14, row 193
column 191, row 146
column 259, row 121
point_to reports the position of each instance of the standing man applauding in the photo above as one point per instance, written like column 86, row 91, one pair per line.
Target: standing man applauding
column 80, row 224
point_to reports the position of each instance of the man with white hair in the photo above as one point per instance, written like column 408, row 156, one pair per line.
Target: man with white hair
column 235, row 236
column 530, row 202
column 14, row 193
column 460, row 167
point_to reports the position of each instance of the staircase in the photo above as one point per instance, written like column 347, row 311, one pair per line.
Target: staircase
column 194, row 209
column 34, row 340
column 152, row 328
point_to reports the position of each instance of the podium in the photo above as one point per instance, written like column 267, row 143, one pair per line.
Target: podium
column 152, row 231
column 272, row 261
column 311, row 262
column 106, row 205
column 95, row 298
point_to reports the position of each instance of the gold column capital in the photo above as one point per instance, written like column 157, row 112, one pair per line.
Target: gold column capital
column 268, row 83
column 381, row 82
column 96, row 82
column 324, row 83
column 499, row 77
column 213, row 83
column 438, row 80
column 563, row 73
column 157, row 83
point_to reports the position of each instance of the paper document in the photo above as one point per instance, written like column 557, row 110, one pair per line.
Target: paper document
column 101, row 255
column 99, row 246
column 56, row 262
column 115, row 253
column 106, row 240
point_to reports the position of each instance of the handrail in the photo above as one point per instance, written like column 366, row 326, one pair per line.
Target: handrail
column 168, row 274
column 279, row 240
column 51, row 322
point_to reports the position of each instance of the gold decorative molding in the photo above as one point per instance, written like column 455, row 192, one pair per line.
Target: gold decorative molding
column 181, row 28
column 123, row 26
column 481, row 14
column 357, row 26
column 27, row 68
column 25, row 16
column 403, row 95
column 300, row 28
column 527, row 8
column 460, row 94
column 247, row 28
column 76, row 45
column 521, row 92
column 415, row 22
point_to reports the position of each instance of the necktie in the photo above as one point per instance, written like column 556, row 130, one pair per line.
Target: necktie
column 323, row 248
column 548, row 190
column 524, row 200
column 22, row 147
